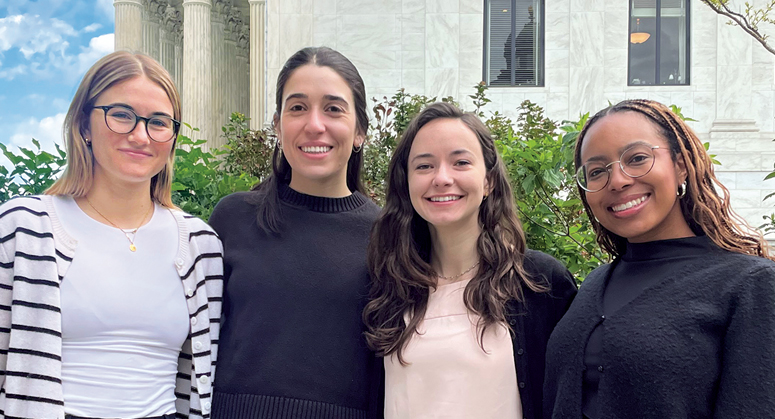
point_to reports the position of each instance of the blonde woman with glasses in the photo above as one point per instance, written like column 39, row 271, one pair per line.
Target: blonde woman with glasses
column 109, row 294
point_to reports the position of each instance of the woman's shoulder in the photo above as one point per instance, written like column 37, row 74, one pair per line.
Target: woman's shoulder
column 237, row 204
column 547, row 269
column 30, row 203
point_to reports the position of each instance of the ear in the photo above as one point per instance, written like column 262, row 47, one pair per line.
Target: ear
column 359, row 140
column 276, row 124
column 487, row 186
column 680, row 169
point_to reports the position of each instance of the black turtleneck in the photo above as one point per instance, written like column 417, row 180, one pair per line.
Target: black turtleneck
column 291, row 342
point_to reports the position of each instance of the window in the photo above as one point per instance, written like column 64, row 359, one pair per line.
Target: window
column 659, row 42
column 514, row 43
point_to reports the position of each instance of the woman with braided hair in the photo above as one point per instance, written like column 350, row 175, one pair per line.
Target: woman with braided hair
column 682, row 323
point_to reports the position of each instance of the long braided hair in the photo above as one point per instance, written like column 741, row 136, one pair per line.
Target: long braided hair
column 705, row 206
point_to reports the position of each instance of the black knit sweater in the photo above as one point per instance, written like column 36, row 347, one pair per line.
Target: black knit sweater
column 291, row 343
column 699, row 342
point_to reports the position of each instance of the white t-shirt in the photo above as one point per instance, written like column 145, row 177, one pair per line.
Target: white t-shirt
column 124, row 317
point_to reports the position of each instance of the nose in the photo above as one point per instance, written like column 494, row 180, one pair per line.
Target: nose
column 442, row 176
column 140, row 133
column 315, row 123
column 618, row 180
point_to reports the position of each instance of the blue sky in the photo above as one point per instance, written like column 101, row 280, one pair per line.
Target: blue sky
column 45, row 48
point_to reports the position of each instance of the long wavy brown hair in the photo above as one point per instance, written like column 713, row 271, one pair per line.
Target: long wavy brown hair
column 705, row 206
column 399, row 251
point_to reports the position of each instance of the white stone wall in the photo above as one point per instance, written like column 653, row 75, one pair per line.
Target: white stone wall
column 435, row 47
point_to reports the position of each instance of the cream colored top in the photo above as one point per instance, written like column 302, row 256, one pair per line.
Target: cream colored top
column 449, row 375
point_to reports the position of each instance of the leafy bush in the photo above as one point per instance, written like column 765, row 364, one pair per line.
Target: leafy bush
column 247, row 151
column 34, row 170
column 538, row 154
column 200, row 181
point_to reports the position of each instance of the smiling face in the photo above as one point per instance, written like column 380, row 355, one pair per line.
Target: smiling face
column 447, row 174
column 132, row 158
column 317, row 129
column 639, row 209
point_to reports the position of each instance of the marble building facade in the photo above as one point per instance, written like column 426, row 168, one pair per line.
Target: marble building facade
column 435, row 47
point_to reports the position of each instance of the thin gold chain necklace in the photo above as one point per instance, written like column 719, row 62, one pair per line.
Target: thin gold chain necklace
column 133, row 232
column 454, row 277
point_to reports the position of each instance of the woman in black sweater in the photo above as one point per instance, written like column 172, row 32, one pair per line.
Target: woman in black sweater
column 295, row 273
column 682, row 323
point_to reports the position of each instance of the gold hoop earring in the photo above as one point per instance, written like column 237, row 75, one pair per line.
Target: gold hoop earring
column 681, row 192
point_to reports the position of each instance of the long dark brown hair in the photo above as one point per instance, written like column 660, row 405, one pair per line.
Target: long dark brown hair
column 399, row 251
column 705, row 206
column 267, row 201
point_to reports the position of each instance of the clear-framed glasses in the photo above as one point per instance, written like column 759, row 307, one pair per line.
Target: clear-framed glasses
column 123, row 120
column 635, row 162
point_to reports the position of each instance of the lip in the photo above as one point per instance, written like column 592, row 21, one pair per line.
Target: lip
column 646, row 197
column 451, row 201
column 135, row 153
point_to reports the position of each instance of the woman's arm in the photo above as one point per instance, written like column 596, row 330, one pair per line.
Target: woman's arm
column 747, row 383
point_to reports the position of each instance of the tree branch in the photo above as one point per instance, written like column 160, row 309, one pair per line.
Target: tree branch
column 750, row 27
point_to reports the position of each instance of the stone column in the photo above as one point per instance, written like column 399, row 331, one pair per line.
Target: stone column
column 178, row 76
column 243, row 70
column 232, row 33
column 168, row 37
column 220, row 113
column 151, row 36
column 257, row 66
column 129, row 25
column 197, row 67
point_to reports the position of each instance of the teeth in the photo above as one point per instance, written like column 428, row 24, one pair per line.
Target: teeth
column 627, row 205
column 316, row 149
column 444, row 198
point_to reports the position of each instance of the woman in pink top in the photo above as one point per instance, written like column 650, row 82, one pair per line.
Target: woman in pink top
column 460, row 309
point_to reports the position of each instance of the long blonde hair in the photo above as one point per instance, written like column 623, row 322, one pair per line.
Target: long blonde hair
column 110, row 70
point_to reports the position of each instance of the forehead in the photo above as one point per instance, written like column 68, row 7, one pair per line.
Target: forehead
column 139, row 92
column 612, row 133
column 311, row 79
column 444, row 135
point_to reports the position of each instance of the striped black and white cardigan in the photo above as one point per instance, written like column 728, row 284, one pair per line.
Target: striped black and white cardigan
column 35, row 253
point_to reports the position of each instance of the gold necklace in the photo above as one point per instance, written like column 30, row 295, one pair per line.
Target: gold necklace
column 454, row 277
column 132, row 246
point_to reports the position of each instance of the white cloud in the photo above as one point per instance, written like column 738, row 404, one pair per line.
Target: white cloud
column 34, row 35
column 47, row 130
column 98, row 48
column 91, row 28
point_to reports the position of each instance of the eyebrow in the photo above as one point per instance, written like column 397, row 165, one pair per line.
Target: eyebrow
column 124, row 105
column 429, row 155
column 620, row 151
column 334, row 98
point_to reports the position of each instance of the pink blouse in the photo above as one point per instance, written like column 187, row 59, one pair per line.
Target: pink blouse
column 449, row 375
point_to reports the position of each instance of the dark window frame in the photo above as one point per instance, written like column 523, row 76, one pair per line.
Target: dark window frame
column 658, row 36
column 540, row 76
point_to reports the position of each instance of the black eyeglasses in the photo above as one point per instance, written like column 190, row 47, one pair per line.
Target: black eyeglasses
column 123, row 120
column 635, row 162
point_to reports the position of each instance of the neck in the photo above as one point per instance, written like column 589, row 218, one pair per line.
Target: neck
column 327, row 188
column 453, row 250
column 126, row 206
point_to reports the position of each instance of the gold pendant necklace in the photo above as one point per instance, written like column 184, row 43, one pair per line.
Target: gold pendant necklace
column 133, row 232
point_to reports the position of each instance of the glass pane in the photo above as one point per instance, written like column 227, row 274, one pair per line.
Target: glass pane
column 499, row 36
column 525, row 47
column 672, row 44
column 514, row 60
column 643, row 50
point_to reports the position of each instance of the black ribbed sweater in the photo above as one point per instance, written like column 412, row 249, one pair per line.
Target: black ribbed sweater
column 292, row 342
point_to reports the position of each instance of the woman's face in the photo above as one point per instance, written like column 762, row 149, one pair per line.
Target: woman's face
column 447, row 175
column 132, row 158
column 317, row 130
column 640, row 209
